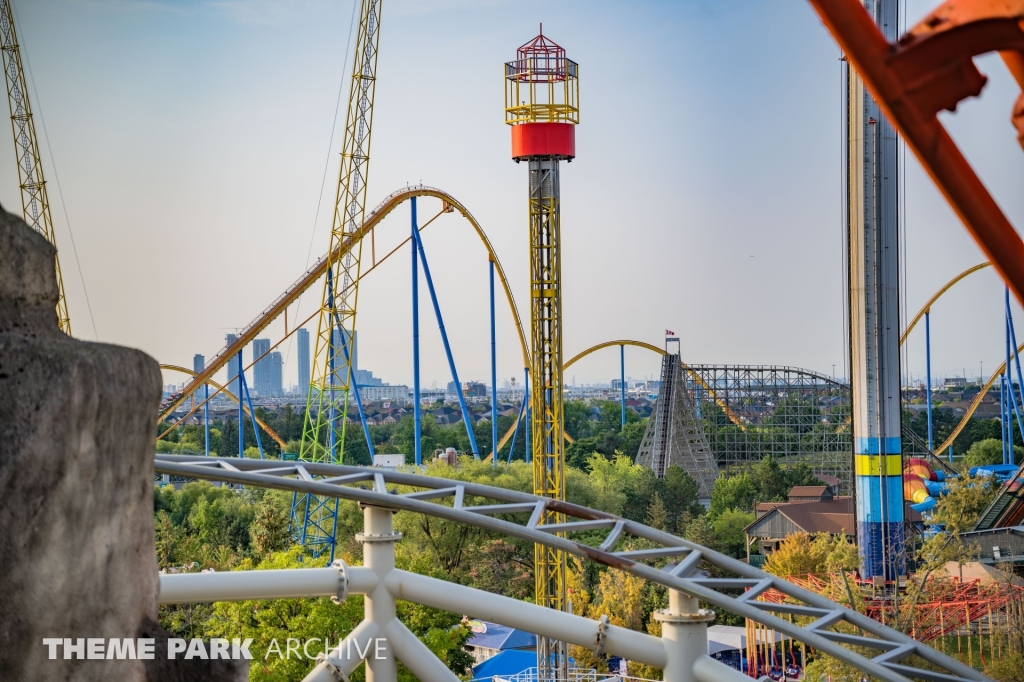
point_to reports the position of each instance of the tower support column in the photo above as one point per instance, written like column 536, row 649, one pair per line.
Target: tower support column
column 546, row 422
column 873, row 267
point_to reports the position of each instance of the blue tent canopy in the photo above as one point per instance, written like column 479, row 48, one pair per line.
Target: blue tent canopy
column 508, row 662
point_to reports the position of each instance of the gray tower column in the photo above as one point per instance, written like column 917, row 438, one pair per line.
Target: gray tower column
column 874, row 321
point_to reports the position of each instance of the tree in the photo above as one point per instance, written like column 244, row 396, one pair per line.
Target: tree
column 269, row 529
column 631, row 436
column 502, row 567
column 280, row 619
column 577, row 418
column 577, row 455
column 733, row 492
column 729, row 526
column 657, row 516
column 619, row 595
column 955, row 512
column 680, row 493
column 802, row 554
column 611, row 478
column 989, row 451
column 1009, row 669
column 770, row 481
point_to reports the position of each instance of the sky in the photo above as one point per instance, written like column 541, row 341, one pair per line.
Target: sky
column 192, row 145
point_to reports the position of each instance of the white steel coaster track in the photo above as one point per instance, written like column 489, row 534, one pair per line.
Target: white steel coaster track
column 681, row 652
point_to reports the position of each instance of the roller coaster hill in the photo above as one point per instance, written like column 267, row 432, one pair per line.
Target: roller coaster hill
column 712, row 421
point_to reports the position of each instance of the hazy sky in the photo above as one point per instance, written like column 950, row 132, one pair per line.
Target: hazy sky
column 191, row 139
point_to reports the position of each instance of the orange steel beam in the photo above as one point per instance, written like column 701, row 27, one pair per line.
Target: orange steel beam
column 312, row 275
column 930, row 69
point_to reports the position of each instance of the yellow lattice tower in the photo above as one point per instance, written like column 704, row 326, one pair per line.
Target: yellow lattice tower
column 35, row 205
column 332, row 382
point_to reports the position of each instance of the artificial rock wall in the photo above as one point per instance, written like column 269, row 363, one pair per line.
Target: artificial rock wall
column 77, row 425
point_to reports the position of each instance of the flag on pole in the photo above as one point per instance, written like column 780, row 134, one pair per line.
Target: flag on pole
column 668, row 333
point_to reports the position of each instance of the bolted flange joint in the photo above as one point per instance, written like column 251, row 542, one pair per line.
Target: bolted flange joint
column 602, row 632
column 342, row 569
column 384, row 537
column 702, row 616
column 333, row 667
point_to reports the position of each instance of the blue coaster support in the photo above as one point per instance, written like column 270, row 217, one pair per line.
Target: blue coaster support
column 526, row 401
column 928, row 374
column 241, row 408
column 352, row 380
column 252, row 412
column 494, row 377
column 520, row 421
column 417, row 419
column 622, row 382
column 447, row 347
column 1017, row 399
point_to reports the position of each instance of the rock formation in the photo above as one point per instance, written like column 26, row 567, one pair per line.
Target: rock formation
column 77, row 425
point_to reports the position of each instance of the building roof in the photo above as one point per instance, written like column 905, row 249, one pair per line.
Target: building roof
column 818, row 492
column 835, row 517
column 500, row 637
column 505, row 664
column 831, row 481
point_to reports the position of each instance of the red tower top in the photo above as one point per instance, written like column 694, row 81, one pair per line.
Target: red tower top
column 541, row 96
column 540, row 60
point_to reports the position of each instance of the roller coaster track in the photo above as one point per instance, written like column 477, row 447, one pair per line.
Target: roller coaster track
column 910, row 435
column 389, row 204
column 938, row 294
column 975, row 403
column 221, row 389
column 995, row 375
column 893, row 657
column 314, row 273
column 641, row 344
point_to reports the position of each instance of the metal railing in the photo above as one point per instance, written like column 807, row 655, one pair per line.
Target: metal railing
column 681, row 652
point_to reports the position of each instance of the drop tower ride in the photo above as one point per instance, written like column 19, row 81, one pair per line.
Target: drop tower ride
column 873, row 250
column 541, row 105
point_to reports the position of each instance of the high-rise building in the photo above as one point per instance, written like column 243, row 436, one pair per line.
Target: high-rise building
column 232, row 382
column 273, row 375
column 198, row 363
column 364, row 377
column 260, row 348
column 340, row 351
column 304, row 376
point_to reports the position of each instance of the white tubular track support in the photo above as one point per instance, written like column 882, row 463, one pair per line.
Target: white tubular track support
column 291, row 583
column 379, row 556
column 340, row 663
column 440, row 594
column 684, row 630
column 417, row 657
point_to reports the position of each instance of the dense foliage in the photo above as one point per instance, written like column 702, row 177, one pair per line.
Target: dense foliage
column 594, row 427
column 203, row 527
